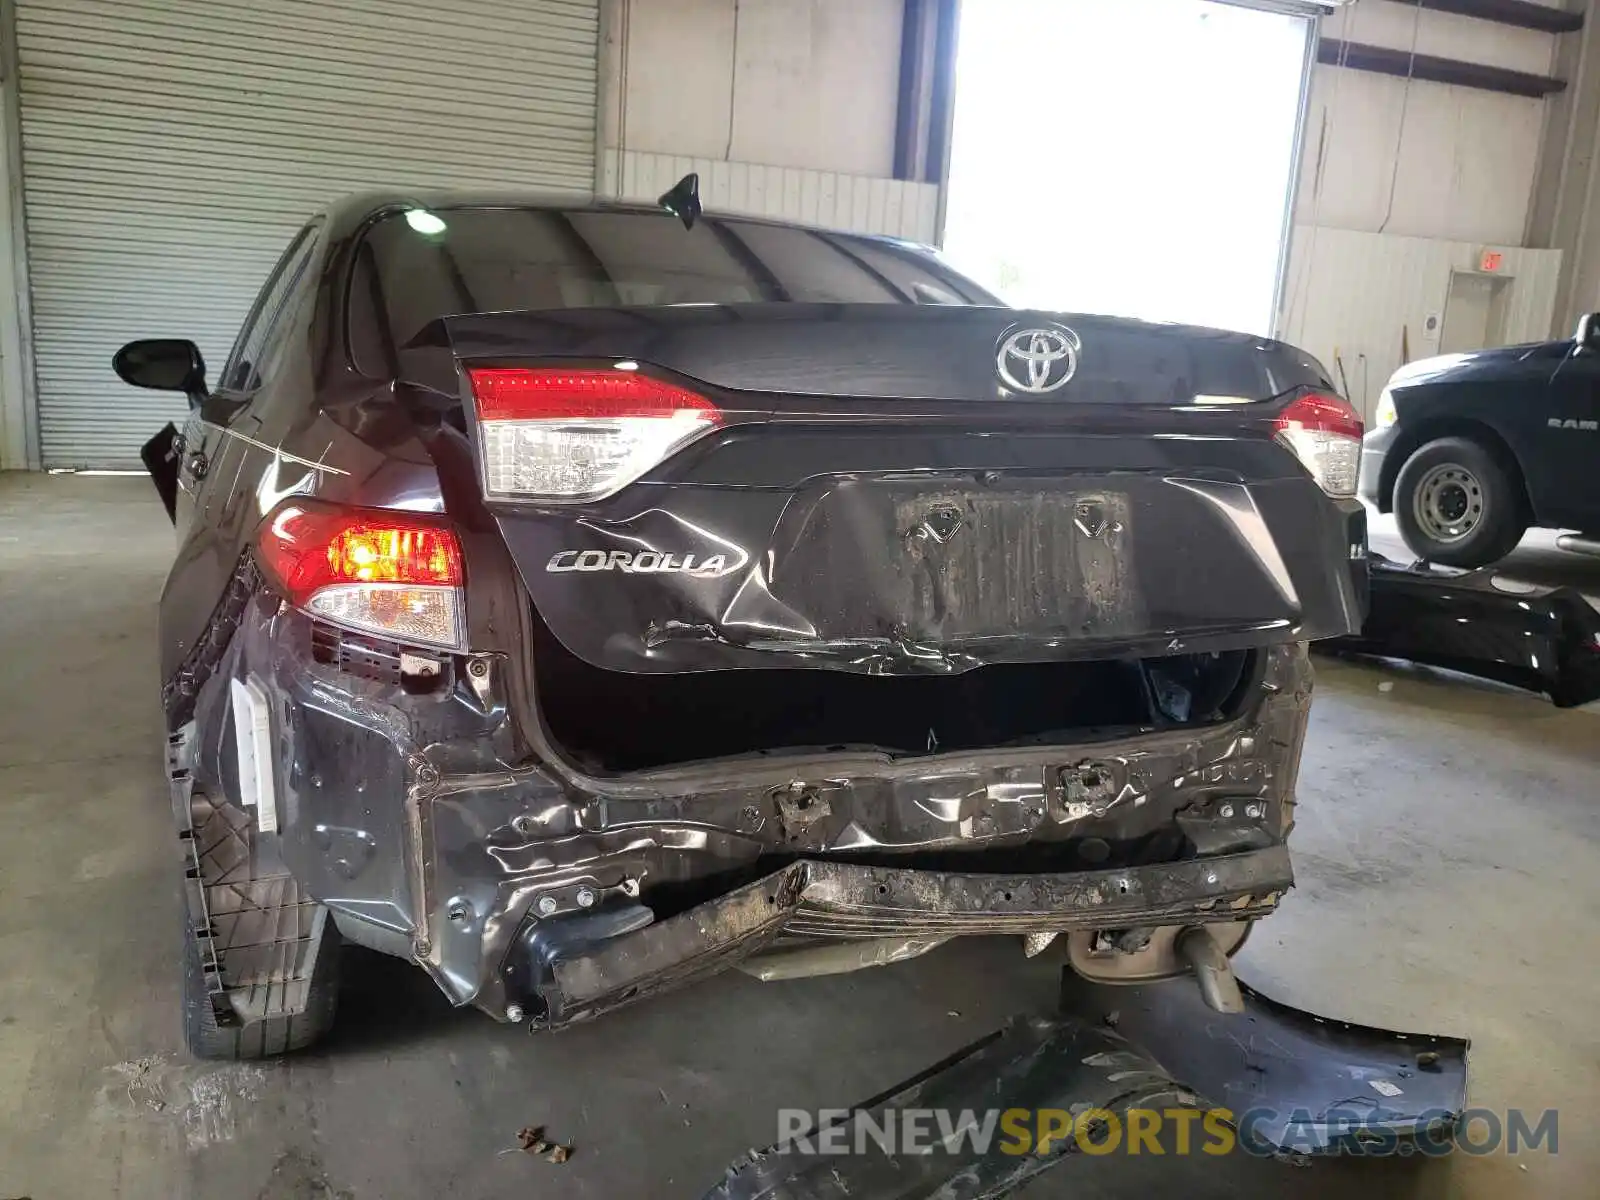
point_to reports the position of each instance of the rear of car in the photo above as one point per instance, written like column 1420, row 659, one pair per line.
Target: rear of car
column 748, row 588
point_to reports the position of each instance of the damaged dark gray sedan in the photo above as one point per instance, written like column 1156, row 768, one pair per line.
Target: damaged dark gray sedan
column 581, row 599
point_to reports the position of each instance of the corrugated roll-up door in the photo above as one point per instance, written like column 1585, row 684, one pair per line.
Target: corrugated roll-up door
column 172, row 147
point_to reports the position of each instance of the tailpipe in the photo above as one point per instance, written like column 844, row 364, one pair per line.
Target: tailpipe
column 1212, row 970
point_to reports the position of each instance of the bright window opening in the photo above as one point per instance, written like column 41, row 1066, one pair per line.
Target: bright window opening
column 1131, row 157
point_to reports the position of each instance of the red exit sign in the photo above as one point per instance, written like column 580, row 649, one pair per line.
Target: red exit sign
column 1491, row 260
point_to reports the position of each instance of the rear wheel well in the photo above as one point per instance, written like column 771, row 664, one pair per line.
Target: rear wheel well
column 1411, row 441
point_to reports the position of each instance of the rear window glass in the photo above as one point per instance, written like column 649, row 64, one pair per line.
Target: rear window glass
column 413, row 268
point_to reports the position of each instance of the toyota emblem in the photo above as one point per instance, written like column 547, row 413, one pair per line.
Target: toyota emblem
column 1038, row 361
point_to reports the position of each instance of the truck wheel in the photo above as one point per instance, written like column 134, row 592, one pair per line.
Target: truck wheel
column 246, row 1039
column 1456, row 505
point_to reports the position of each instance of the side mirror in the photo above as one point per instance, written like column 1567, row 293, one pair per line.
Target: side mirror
column 1588, row 335
column 166, row 364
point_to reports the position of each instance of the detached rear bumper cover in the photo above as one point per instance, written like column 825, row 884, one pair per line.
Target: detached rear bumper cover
column 1294, row 1082
column 1542, row 639
column 400, row 814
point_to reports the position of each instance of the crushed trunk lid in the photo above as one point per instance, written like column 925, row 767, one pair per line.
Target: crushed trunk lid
column 899, row 489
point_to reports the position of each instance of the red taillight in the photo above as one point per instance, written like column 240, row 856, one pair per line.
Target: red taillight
column 379, row 572
column 514, row 393
column 308, row 549
column 1327, row 414
column 563, row 433
column 1324, row 433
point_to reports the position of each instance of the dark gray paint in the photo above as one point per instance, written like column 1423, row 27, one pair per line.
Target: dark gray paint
column 439, row 820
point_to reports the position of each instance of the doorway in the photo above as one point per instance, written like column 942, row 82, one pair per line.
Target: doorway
column 1474, row 312
column 1132, row 157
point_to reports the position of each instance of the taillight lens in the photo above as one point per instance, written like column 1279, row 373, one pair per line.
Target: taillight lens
column 1324, row 433
column 378, row 572
column 566, row 434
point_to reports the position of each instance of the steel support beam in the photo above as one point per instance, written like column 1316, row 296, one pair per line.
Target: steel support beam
column 1384, row 60
column 927, row 67
column 19, row 393
column 1524, row 14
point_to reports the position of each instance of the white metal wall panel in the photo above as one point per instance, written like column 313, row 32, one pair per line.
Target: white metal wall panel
column 1419, row 158
column 855, row 203
column 1367, row 295
column 172, row 147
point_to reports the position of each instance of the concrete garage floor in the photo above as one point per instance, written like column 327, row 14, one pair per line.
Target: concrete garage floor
column 1448, row 853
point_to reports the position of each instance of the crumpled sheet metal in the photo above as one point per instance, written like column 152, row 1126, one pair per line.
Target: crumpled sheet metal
column 825, row 899
column 451, row 873
column 1480, row 623
column 938, row 571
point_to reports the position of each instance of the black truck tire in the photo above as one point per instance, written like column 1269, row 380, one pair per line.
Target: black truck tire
column 1455, row 483
column 206, row 1038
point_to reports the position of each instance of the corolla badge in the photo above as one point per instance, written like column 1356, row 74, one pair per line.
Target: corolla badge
column 643, row 562
column 656, row 542
column 1038, row 361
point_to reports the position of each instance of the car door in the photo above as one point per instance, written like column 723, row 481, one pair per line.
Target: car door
column 217, row 436
column 230, row 413
column 1568, row 439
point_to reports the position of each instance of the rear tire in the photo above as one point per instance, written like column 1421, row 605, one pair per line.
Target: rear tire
column 1457, row 505
column 207, row 1038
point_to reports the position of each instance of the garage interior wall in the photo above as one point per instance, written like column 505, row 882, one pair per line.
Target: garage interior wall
column 1356, row 299
column 859, row 203
column 786, row 108
column 1404, row 182
column 171, row 149
column 1566, row 201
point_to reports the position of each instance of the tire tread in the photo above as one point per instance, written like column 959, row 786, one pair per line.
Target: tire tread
column 1504, row 522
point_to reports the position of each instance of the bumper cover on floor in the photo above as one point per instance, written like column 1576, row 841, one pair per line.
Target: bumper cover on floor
column 1481, row 623
column 1285, row 1081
